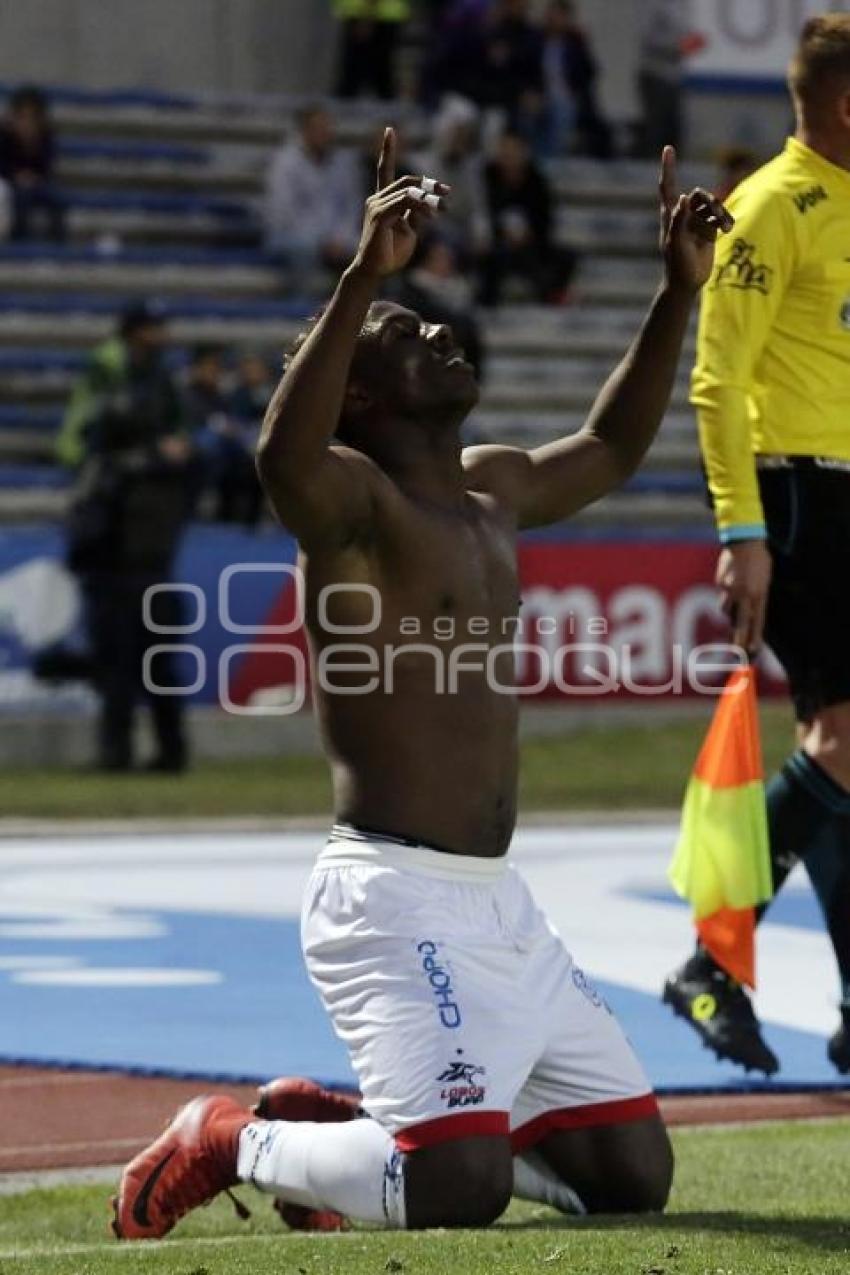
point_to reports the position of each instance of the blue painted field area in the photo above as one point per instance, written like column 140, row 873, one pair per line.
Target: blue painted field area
column 181, row 953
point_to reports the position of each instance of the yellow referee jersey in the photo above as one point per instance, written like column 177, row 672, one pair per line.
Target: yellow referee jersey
column 772, row 375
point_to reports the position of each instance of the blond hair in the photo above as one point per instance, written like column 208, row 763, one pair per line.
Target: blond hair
column 821, row 65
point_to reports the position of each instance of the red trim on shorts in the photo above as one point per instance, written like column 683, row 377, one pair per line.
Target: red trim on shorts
column 469, row 1124
column 620, row 1111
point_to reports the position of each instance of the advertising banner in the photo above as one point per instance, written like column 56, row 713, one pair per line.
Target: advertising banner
column 751, row 39
column 599, row 619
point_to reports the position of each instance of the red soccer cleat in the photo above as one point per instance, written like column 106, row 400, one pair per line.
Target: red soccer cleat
column 188, row 1165
column 291, row 1098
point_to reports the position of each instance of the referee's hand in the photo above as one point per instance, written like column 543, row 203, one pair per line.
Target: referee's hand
column 743, row 578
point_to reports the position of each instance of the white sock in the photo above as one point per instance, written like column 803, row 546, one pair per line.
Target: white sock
column 534, row 1180
column 354, row 1168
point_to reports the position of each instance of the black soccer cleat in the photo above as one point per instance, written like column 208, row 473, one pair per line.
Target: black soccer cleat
column 838, row 1047
column 721, row 1013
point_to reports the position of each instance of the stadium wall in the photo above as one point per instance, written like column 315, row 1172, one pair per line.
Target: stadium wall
column 192, row 46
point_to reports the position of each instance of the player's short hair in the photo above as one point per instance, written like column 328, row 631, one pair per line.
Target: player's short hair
column 289, row 355
column 821, row 65
column 299, row 340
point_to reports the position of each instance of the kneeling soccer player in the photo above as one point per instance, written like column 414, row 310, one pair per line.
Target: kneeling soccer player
column 487, row 1062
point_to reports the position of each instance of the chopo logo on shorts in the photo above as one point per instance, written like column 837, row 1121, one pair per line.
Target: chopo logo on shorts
column 441, row 984
column 584, row 985
column 462, row 1087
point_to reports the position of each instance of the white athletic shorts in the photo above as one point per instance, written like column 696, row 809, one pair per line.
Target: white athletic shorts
column 461, row 1009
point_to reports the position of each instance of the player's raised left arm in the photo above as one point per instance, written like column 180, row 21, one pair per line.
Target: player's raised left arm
column 556, row 480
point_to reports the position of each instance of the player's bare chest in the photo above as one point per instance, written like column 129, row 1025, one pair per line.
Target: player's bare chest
column 460, row 564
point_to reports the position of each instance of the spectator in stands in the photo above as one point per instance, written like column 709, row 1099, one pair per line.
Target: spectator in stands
column 512, row 80
column 454, row 59
column 123, row 434
column 312, row 206
column 255, row 384
column 370, row 31
column 569, row 77
column 520, row 206
column 454, row 154
column 224, row 441
column 666, row 39
column 435, row 288
column 26, row 166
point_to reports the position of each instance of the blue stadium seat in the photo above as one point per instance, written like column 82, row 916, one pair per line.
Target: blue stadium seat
column 131, row 152
column 666, row 483
column 35, row 418
column 181, row 307
column 50, row 476
column 153, row 202
column 130, row 254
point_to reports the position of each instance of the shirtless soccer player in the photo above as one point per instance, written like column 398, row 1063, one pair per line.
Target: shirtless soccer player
column 486, row 1061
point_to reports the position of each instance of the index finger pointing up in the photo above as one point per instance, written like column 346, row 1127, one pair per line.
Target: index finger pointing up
column 386, row 159
column 668, row 182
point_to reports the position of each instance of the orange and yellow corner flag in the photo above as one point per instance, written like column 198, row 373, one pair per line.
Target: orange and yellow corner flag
column 721, row 863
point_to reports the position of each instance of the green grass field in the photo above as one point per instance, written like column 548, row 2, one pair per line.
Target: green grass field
column 610, row 768
column 769, row 1200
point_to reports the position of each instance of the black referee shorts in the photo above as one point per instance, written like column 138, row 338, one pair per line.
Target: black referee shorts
column 807, row 511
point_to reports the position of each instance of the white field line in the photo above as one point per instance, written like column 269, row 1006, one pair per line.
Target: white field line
column 44, row 1148
column 135, row 1247
column 25, row 1180
column 41, row 1081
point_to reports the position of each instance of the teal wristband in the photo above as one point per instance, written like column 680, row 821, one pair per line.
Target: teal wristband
column 743, row 531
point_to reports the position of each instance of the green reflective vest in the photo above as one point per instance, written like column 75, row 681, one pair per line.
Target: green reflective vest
column 383, row 10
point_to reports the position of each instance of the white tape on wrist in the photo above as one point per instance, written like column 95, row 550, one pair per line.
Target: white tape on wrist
column 429, row 185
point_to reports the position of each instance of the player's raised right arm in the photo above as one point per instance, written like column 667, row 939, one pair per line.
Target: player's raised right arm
column 320, row 492
column 316, row 490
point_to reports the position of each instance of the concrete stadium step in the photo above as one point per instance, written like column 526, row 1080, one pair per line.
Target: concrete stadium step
column 33, row 388
column 599, row 267
column 270, row 309
column 624, row 233
column 243, row 179
column 114, row 272
column 257, row 121
column 550, row 421
column 605, row 348
column 585, row 233
column 240, row 170
column 512, row 384
column 515, row 376
column 177, row 203
column 664, row 512
column 32, row 505
column 545, row 419
column 77, row 330
column 24, row 447
column 128, row 226
column 140, row 278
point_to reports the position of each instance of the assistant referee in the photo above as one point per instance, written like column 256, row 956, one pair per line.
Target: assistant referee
column 771, row 388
